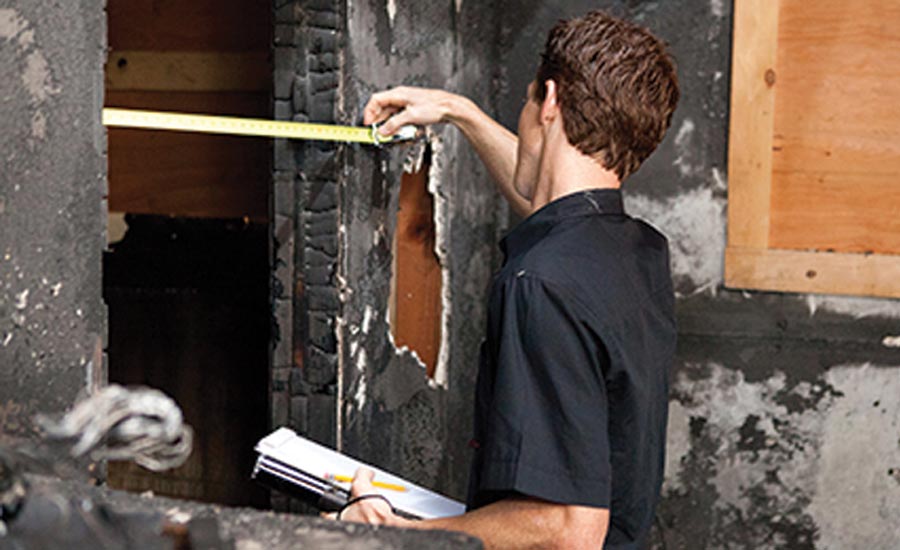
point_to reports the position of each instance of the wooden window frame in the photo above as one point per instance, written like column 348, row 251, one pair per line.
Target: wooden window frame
column 750, row 263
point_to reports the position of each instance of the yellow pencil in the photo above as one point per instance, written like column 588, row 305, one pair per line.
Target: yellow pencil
column 379, row 484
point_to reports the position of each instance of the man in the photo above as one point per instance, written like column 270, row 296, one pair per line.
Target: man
column 572, row 389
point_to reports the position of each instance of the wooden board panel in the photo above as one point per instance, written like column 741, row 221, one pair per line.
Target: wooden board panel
column 836, row 155
column 416, row 296
column 752, row 118
column 826, row 273
column 166, row 25
column 844, row 212
column 181, row 174
column 188, row 71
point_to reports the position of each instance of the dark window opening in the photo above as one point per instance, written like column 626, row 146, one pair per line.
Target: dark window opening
column 187, row 285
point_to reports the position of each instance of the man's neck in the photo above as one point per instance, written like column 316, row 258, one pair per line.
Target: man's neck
column 568, row 171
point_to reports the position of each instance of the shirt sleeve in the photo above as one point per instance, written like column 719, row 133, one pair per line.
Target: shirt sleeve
column 545, row 427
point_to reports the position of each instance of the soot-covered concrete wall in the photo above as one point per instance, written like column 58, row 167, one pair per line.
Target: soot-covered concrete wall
column 52, row 216
column 784, row 426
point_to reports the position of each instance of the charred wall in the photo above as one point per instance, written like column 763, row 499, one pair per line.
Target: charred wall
column 337, row 376
column 305, row 220
column 391, row 411
column 52, row 211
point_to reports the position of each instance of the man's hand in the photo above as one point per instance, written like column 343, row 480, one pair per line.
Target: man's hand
column 374, row 511
column 496, row 146
column 405, row 105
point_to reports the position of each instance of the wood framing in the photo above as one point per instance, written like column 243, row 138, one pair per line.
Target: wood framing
column 752, row 119
column 205, row 57
column 813, row 193
column 819, row 272
column 188, row 71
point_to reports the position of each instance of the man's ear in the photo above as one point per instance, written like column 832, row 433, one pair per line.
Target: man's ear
column 550, row 105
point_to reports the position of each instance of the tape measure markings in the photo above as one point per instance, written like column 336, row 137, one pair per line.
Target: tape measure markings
column 157, row 120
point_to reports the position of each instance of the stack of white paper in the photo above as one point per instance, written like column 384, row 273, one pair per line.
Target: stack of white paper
column 315, row 463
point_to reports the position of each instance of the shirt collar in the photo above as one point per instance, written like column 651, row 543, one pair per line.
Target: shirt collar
column 583, row 203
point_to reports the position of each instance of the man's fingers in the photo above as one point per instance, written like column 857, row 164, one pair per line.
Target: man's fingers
column 362, row 482
column 328, row 515
column 396, row 122
column 376, row 113
column 384, row 104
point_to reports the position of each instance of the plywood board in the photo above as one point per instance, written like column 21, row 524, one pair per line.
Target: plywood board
column 752, row 116
column 188, row 71
column 824, row 273
column 836, row 155
column 814, row 205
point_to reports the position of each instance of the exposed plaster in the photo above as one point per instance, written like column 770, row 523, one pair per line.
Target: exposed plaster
column 441, row 247
column 368, row 316
column 678, row 445
column 22, row 299
column 36, row 77
column 12, row 25
column 685, row 149
column 360, row 395
column 796, row 470
column 412, row 163
column 391, row 7
column 39, row 125
column 718, row 179
column 403, row 351
column 856, row 307
column 694, row 222
column 891, row 342
column 860, row 437
column 344, row 293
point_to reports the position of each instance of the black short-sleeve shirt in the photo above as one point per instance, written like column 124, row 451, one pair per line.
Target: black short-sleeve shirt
column 572, row 391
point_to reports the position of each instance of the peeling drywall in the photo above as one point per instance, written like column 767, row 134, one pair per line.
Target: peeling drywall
column 443, row 230
column 391, row 7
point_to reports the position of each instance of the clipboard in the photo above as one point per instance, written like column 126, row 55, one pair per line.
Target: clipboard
column 301, row 468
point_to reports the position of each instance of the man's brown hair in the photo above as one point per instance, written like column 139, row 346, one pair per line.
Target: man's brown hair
column 616, row 85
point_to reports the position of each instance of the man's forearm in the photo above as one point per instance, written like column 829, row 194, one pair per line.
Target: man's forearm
column 524, row 524
column 496, row 146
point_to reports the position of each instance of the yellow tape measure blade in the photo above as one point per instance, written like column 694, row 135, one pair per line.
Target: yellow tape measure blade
column 158, row 120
